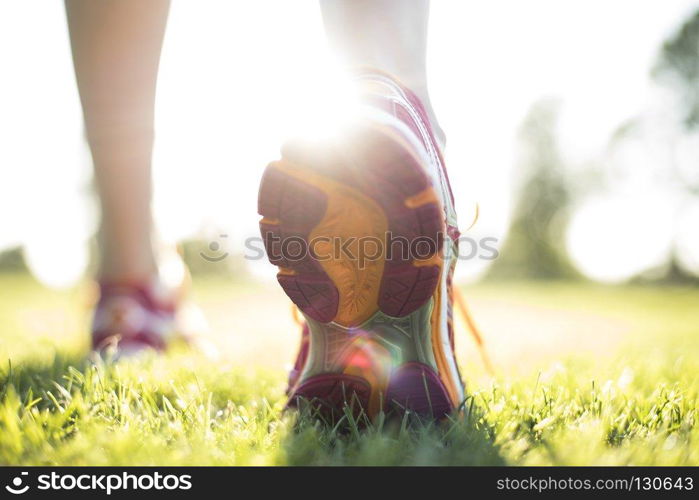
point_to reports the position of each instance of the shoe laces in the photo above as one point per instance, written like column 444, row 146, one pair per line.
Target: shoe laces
column 296, row 316
column 473, row 329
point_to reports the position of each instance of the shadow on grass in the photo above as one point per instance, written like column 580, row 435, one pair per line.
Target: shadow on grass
column 39, row 376
column 351, row 439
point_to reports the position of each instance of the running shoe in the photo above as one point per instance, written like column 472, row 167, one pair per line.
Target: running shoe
column 363, row 230
column 134, row 318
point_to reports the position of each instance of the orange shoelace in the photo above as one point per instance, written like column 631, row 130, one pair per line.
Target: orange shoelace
column 475, row 332
column 296, row 316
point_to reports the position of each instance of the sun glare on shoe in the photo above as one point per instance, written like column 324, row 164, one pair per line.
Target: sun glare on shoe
column 324, row 109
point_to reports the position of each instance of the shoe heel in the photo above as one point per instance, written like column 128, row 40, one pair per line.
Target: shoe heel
column 329, row 395
column 416, row 388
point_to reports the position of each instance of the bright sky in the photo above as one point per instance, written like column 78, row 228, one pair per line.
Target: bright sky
column 237, row 75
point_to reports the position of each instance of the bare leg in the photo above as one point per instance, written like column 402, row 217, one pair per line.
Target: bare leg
column 390, row 35
column 116, row 50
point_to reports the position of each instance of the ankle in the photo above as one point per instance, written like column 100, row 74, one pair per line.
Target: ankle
column 127, row 270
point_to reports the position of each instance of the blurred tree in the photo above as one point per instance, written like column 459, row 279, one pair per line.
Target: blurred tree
column 12, row 261
column 678, row 67
column 534, row 246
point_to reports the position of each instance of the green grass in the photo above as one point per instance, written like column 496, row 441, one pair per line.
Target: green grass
column 631, row 401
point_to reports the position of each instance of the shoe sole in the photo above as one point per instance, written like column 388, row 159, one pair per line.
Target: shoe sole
column 371, row 186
